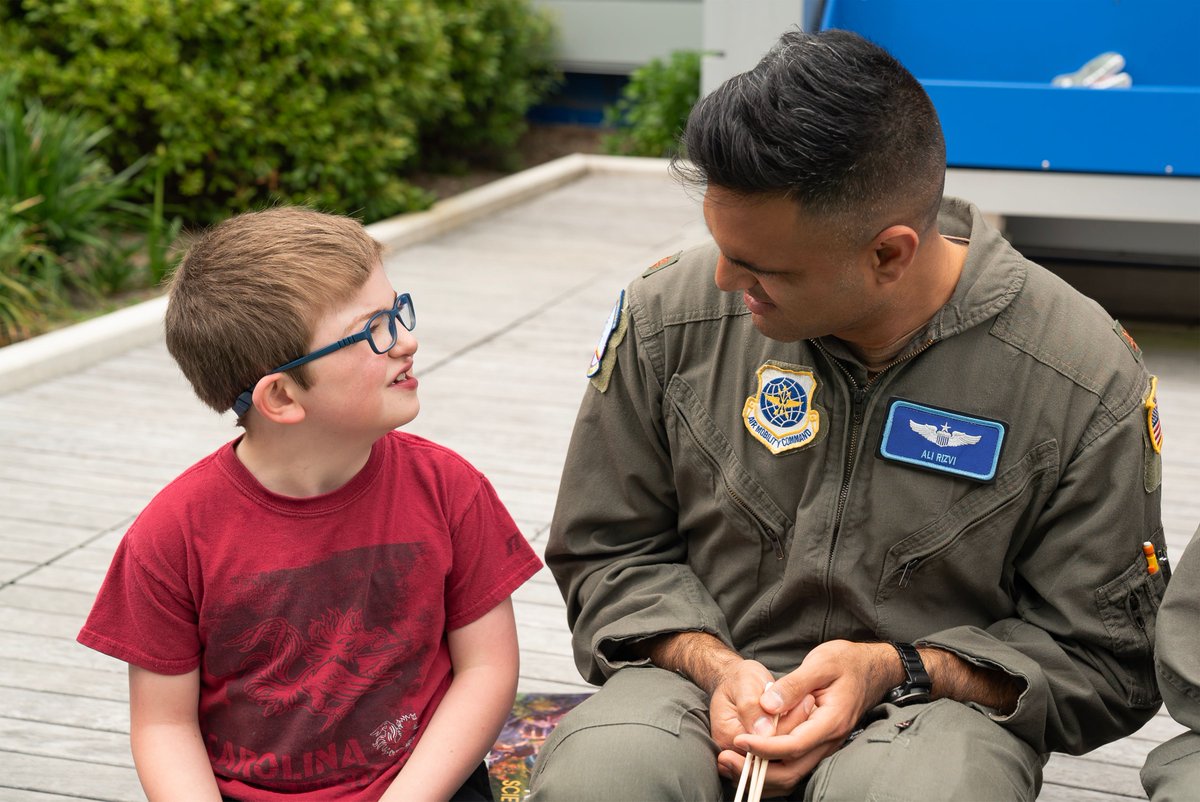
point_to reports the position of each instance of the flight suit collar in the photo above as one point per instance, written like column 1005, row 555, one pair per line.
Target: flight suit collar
column 992, row 276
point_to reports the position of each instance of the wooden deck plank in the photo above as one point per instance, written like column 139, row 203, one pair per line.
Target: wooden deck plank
column 35, row 675
column 68, row 777
column 509, row 310
column 54, row 740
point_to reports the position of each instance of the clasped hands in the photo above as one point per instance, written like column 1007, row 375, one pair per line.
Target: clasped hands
column 819, row 704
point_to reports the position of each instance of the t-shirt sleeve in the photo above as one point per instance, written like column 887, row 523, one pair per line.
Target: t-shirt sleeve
column 491, row 558
column 145, row 614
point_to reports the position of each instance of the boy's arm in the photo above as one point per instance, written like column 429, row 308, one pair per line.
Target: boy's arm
column 164, row 731
column 468, row 719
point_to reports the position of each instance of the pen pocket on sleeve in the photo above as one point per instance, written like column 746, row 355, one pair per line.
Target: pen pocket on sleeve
column 1128, row 607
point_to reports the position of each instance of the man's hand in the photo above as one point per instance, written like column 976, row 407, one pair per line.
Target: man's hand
column 734, row 707
column 818, row 705
column 735, row 687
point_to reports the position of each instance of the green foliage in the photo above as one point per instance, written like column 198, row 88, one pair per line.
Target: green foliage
column 59, row 202
column 250, row 102
column 654, row 106
column 500, row 65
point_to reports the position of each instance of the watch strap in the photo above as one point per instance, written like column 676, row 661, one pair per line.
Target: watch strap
column 917, row 686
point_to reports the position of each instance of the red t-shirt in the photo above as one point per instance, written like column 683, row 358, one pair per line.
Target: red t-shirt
column 318, row 624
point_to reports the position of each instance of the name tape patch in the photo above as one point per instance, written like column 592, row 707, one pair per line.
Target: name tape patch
column 941, row 440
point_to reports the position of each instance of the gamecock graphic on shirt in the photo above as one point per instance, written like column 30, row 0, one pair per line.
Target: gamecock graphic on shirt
column 341, row 660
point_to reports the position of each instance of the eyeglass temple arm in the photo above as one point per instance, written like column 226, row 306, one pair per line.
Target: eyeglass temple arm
column 246, row 399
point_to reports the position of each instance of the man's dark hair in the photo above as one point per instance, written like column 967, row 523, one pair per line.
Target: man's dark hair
column 831, row 121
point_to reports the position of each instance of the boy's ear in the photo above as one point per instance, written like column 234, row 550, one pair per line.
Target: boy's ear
column 895, row 248
column 276, row 399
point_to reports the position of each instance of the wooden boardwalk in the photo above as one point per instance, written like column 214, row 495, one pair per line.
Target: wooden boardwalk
column 510, row 307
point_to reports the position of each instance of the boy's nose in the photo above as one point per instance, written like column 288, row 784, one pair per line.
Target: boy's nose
column 405, row 345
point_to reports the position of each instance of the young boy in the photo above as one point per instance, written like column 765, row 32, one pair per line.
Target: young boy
column 320, row 609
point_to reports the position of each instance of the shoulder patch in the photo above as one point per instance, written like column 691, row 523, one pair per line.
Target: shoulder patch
column 1130, row 343
column 666, row 261
column 604, row 357
column 1152, row 451
column 1153, row 422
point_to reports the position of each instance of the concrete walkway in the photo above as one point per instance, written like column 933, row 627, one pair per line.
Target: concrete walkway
column 511, row 299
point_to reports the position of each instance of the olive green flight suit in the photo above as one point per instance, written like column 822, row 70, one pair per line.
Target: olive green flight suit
column 1172, row 770
column 687, row 503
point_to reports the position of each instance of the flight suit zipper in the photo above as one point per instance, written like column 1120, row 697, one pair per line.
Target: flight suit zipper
column 775, row 541
column 859, row 397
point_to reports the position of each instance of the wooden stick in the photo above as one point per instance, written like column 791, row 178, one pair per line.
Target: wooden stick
column 747, row 764
column 754, row 769
column 757, row 779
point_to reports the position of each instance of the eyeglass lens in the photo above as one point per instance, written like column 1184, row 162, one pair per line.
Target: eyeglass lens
column 382, row 326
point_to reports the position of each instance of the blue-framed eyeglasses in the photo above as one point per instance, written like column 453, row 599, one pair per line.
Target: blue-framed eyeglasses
column 380, row 333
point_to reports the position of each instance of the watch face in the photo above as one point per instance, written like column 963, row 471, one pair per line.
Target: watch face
column 908, row 696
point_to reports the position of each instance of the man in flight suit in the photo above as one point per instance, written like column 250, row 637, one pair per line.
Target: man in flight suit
column 1172, row 770
column 859, row 446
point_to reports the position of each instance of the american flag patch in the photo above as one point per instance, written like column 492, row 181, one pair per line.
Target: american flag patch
column 1153, row 421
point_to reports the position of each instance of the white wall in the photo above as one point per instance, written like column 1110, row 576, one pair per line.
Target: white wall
column 616, row 36
column 738, row 32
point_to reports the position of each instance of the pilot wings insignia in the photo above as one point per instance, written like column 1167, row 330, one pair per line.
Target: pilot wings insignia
column 943, row 437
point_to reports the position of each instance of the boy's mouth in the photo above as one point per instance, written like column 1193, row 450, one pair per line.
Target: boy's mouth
column 402, row 377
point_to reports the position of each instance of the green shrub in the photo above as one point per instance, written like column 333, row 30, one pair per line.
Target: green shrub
column 500, row 66
column 654, row 106
column 259, row 101
column 60, row 205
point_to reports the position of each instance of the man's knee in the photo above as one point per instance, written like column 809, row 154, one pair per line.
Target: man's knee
column 1172, row 770
column 942, row 750
column 644, row 735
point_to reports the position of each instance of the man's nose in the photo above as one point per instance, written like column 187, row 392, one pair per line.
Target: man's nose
column 731, row 278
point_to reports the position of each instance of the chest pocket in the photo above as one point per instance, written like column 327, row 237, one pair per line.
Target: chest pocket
column 958, row 569
column 717, row 473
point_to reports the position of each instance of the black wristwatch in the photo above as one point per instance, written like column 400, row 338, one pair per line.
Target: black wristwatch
column 917, row 686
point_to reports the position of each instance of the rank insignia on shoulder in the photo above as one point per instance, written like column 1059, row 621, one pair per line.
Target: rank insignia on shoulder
column 781, row 414
column 1126, row 338
column 666, row 261
column 604, row 357
column 942, row 440
column 1153, row 421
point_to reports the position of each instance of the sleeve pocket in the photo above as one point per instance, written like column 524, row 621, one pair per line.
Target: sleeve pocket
column 1129, row 609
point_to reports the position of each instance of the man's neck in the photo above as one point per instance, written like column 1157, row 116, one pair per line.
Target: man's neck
column 291, row 464
column 933, row 285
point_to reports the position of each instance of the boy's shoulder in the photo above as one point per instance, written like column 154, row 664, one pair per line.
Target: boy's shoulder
column 423, row 454
column 164, row 524
column 192, row 483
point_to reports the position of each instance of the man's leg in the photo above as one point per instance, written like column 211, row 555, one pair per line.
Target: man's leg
column 1172, row 770
column 643, row 735
column 943, row 750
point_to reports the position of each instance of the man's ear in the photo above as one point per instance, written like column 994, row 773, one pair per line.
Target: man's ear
column 276, row 399
column 894, row 250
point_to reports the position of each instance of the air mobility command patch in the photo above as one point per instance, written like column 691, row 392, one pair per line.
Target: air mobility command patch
column 666, row 261
column 942, row 440
column 781, row 414
column 1152, row 452
column 604, row 358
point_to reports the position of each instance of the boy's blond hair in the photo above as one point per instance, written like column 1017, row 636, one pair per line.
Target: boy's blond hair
column 248, row 293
